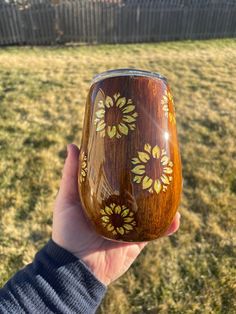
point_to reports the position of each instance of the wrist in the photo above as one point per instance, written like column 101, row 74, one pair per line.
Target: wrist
column 95, row 268
column 93, row 263
column 85, row 260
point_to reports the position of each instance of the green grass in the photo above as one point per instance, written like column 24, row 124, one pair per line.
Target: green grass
column 42, row 97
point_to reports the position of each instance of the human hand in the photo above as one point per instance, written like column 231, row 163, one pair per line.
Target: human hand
column 71, row 229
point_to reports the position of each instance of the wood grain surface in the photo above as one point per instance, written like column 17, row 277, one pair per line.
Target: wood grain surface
column 130, row 177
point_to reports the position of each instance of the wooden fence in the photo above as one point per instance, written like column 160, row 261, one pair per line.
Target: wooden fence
column 41, row 22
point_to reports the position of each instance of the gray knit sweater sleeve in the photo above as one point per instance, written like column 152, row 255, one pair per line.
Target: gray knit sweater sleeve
column 56, row 282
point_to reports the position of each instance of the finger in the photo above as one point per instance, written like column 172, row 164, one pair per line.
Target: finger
column 69, row 182
column 174, row 225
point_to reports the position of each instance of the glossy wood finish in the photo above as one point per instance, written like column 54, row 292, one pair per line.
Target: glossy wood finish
column 130, row 175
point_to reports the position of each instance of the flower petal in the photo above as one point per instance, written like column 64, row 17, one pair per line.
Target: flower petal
column 164, row 160
column 129, row 101
column 105, row 218
column 114, row 232
column 81, row 178
column 144, row 157
column 118, row 209
column 125, row 212
column 168, row 170
column 128, row 227
column 108, row 210
column 100, row 126
column 110, row 227
column 157, row 186
column 148, row 148
column 140, row 169
column 135, row 161
column 135, row 114
column 108, row 102
column 121, row 102
column 101, row 104
column 165, row 108
column 102, row 212
column 100, row 113
column 131, row 126
column 128, row 108
column 120, row 230
column 137, row 179
column 83, row 165
column 102, row 133
column 111, row 131
column 129, row 119
column 156, row 152
column 147, row 182
column 116, row 96
column 163, row 152
column 123, row 128
column 165, row 179
column 128, row 219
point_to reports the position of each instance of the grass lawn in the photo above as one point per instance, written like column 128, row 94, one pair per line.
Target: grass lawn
column 42, row 97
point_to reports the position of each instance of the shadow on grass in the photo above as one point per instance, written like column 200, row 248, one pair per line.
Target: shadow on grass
column 33, row 186
column 70, row 138
column 38, row 143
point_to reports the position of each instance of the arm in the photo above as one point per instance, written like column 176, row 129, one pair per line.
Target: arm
column 56, row 282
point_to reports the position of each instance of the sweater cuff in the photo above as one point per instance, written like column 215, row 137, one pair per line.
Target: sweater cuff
column 58, row 254
column 61, row 257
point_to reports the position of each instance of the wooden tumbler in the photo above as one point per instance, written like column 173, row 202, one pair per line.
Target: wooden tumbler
column 130, row 177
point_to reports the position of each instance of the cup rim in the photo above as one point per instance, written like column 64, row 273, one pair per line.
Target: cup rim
column 126, row 72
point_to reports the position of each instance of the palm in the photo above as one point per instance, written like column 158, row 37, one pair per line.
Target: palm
column 77, row 236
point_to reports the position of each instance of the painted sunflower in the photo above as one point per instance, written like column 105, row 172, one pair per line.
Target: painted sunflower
column 118, row 219
column 166, row 100
column 115, row 116
column 140, row 169
column 83, row 167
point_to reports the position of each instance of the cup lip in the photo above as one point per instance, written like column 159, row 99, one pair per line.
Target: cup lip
column 127, row 72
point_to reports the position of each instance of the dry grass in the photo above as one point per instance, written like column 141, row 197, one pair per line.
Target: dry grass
column 42, row 96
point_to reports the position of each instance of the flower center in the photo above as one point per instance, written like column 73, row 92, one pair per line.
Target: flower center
column 113, row 116
column 153, row 168
column 117, row 220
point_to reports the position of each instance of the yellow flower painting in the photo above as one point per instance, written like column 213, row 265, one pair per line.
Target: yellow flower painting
column 83, row 167
column 115, row 116
column 141, row 170
column 117, row 219
column 166, row 100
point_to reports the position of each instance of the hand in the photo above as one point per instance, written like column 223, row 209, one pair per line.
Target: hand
column 71, row 230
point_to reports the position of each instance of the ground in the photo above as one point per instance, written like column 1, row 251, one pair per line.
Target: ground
column 42, row 98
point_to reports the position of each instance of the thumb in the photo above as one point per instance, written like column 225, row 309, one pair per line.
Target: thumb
column 68, row 191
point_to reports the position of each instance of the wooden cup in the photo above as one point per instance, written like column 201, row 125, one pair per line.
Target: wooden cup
column 130, row 177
